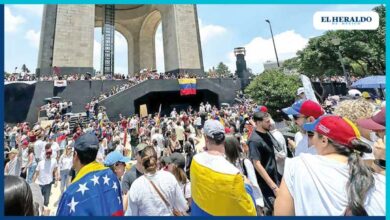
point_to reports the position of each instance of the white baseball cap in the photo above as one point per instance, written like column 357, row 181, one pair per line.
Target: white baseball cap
column 300, row 90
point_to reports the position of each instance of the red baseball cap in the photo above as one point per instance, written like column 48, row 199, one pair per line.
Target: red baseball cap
column 375, row 123
column 25, row 143
column 262, row 108
column 305, row 107
column 336, row 128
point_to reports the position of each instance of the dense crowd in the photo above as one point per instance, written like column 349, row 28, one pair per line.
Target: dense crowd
column 19, row 77
column 134, row 78
column 55, row 108
column 337, row 79
column 204, row 161
column 132, row 81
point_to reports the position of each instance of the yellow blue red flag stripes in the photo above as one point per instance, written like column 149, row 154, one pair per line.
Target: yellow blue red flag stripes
column 218, row 194
column 95, row 191
column 187, row 86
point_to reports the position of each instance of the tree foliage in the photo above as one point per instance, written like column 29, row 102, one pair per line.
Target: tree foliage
column 222, row 70
column 273, row 89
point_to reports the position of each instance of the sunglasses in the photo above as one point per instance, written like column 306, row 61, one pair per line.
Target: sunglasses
column 120, row 163
column 296, row 117
column 310, row 134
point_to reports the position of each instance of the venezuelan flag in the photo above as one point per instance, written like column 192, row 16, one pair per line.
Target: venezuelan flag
column 217, row 189
column 187, row 86
column 95, row 191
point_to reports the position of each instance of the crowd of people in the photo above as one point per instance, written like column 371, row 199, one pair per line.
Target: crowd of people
column 19, row 77
column 136, row 78
column 336, row 79
column 207, row 161
column 55, row 108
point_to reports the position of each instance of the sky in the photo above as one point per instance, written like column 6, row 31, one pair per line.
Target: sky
column 222, row 28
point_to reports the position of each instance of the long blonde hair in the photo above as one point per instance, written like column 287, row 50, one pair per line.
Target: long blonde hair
column 179, row 173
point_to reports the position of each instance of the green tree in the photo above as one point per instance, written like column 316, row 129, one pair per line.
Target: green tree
column 24, row 68
column 273, row 89
column 222, row 70
column 292, row 63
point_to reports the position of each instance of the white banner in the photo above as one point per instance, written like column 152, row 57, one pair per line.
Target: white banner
column 60, row 83
column 309, row 92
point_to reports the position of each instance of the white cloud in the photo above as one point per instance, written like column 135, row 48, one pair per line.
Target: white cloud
column 30, row 9
column 210, row 31
column 11, row 21
column 259, row 50
column 33, row 38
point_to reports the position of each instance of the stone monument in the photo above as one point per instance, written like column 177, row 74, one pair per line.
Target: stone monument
column 67, row 37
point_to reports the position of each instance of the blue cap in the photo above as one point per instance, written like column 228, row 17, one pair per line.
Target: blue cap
column 114, row 157
column 294, row 109
column 85, row 141
column 311, row 126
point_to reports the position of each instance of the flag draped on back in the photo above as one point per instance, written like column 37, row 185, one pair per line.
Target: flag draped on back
column 187, row 86
column 215, row 193
column 94, row 192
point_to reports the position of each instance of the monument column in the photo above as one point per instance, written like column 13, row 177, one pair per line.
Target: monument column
column 46, row 44
column 182, row 47
column 73, row 39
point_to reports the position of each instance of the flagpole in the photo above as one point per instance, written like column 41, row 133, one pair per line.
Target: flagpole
column 159, row 112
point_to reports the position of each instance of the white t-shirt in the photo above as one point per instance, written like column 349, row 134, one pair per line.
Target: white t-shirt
column 119, row 148
column 46, row 168
column 55, row 148
column 160, row 143
column 100, row 116
column 318, row 187
column 202, row 109
column 24, row 157
column 66, row 162
column 198, row 121
column 160, row 139
column 280, row 156
column 100, row 154
column 302, row 142
column 133, row 123
column 145, row 201
column 39, row 149
column 192, row 129
column 173, row 114
column 152, row 131
column 179, row 132
column 186, row 189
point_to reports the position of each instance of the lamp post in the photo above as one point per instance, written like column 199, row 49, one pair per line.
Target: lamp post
column 336, row 42
column 273, row 41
